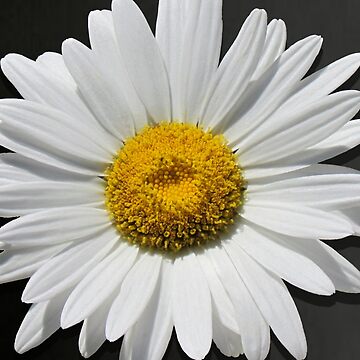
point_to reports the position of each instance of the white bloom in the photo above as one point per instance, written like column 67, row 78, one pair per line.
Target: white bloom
column 121, row 143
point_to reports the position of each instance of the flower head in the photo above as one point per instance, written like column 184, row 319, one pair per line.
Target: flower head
column 156, row 188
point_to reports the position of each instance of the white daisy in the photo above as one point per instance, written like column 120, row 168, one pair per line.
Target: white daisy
column 157, row 189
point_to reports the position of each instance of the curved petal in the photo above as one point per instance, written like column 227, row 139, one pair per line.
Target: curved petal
column 15, row 168
column 221, row 302
column 267, row 93
column 241, row 59
column 192, row 319
column 295, row 220
column 292, row 266
column 52, row 137
column 132, row 300
column 254, row 331
column 324, row 81
column 142, row 58
column 341, row 141
column 22, row 263
column 288, row 132
column 319, row 186
column 274, row 46
column 149, row 337
column 40, row 322
column 39, row 83
column 191, row 62
column 92, row 334
column 98, row 285
column 65, row 269
column 102, row 95
column 46, row 228
column 273, row 299
column 26, row 198
column 106, row 51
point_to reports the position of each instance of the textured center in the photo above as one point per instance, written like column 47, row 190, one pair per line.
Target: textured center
column 173, row 186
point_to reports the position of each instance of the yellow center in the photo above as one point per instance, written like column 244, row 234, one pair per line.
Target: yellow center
column 173, row 186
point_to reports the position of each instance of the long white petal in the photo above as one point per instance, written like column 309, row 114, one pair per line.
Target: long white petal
column 295, row 220
column 274, row 46
column 135, row 293
column 299, row 270
column 341, row 141
column 323, row 186
column 272, row 88
column 46, row 228
column 288, row 132
column 22, row 263
column 324, row 81
column 102, row 96
column 192, row 316
column 149, row 337
column 142, row 58
column 106, row 51
column 273, row 299
column 191, row 62
column 15, row 168
column 52, row 137
column 226, row 340
column 26, row 198
column 222, row 304
column 103, row 280
column 39, row 83
column 254, row 331
column 41, row 321
column 241, row 59
column 92, row 334
column 65, row 269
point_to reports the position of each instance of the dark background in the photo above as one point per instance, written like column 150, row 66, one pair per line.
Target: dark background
column 31, row 27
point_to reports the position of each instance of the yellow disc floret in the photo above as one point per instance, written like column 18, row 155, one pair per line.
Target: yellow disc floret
column 173, row 186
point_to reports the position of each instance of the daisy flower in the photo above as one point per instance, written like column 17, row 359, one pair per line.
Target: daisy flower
column 156, row 189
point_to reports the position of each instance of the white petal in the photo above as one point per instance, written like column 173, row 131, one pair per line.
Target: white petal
column 274, row 46
column 272, row 88
column 287, row 132
column 342, row 273
column 191, row 62
column 273, row 299
column 296, row 220
column 67, row 268
column 55, row 63
column 25, row 198
column 46, row 228
column 254, row 331
column 292, row 266
column 106, row 51
column 324, row 81
column 191, row 304
column 41, row 321
column 342, row 140
column 222, row 304
column 38, row 83
column 353, row 216
column 323, row 186
column 102, row 96
column 52, row 137
column 142, row 58
column 92, row 334
column 22, row 263
column 135, row 293
column 226, row 340
column 15, row 168
column 99, row 284
column 149, row 337
column 241, row 60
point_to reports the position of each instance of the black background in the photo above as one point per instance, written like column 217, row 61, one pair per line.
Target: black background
column 31, row 27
